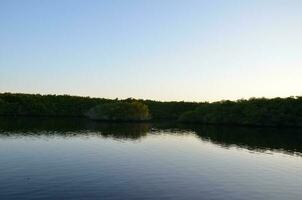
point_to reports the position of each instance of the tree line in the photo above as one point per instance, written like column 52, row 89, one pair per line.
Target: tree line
column 254, row 111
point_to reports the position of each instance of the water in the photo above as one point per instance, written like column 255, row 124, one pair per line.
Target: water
column 78, row 159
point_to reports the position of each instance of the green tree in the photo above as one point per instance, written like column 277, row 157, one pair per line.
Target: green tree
column 120, row 111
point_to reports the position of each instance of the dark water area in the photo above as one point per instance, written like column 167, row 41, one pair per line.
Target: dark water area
column 47, row 158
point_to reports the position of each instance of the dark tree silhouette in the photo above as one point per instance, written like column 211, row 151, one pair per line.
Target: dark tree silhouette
column 255, row 111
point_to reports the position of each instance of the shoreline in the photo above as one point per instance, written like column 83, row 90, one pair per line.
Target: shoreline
column 175, row 122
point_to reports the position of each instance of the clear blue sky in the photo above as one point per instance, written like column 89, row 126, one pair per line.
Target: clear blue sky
column 165, row 50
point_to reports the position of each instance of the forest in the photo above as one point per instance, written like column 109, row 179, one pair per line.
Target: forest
column 255, row 112
column 251, row 112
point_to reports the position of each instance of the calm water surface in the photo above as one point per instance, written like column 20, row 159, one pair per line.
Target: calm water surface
column 78, row 159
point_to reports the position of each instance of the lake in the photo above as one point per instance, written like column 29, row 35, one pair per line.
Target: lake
column 80, row 159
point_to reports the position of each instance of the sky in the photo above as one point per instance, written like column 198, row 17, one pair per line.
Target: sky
column 203, row 50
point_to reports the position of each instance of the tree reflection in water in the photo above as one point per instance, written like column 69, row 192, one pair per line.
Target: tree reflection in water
column 287, row 140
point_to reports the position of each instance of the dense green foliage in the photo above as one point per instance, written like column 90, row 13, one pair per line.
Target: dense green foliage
column 120, row 111
column 259, row 112
column 169, row 110
column 46, row 105
column 73, row 106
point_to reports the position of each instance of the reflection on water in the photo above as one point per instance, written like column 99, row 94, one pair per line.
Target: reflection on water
column 81, row 159
column 256, row 139
column 71, row 126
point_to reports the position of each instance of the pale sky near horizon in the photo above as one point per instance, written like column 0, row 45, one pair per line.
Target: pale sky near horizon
column 161, row 49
